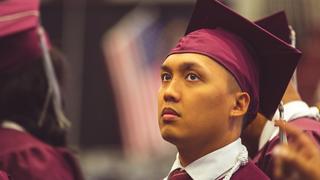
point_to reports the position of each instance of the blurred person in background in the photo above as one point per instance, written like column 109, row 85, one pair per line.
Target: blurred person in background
column 277, row 25
column 304, row 17
column 210, row 90
column 261, row 135
column 33, row 127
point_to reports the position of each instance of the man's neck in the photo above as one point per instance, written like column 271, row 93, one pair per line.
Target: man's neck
column 194, row 151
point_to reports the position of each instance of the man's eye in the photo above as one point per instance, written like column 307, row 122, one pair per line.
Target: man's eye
column 192, row 77
column 165, row 77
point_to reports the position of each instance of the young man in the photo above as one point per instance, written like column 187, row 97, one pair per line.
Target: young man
column 212, row 83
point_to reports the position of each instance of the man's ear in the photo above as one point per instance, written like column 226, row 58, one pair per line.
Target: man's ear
column 241, row 104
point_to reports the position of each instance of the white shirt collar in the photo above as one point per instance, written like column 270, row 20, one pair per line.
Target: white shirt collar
column 292, row 110
column 212, row 165
column 12, row 125
column 297, row 109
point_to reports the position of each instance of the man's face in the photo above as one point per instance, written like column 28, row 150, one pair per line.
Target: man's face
column 195, row 99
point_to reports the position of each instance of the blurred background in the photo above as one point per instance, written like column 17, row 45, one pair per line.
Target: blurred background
column 114, row 49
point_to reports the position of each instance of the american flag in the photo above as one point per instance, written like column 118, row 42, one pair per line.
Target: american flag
column 134, row 49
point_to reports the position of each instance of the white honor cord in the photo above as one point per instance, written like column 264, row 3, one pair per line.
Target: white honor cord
column 53, row 87
column 293, row 37
column 45, row 108
column 242, row 160
column 282, row 134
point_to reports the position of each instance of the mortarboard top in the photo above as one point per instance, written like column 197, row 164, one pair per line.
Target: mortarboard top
column 19, row 40
column 277, row 24
column 261, row 63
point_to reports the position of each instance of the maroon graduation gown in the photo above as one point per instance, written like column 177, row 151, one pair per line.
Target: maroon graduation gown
column 24, row 157
column 3, row 176
column 249, row 172
column 264, row 158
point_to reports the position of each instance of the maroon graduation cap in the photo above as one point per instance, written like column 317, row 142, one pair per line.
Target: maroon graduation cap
column 19, row 40
column 261, row 63
column 18, row 15
column 277, row 24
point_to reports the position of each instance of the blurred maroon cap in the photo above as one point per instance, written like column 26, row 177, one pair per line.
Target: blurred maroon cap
column 261, row 63
column 18, row 15
column 19, row 40
column 277, row 24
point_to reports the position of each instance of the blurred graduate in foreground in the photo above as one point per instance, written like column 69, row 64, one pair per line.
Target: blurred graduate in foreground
column 33, row 126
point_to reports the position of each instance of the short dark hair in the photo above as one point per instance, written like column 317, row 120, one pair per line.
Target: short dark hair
column 22, row 97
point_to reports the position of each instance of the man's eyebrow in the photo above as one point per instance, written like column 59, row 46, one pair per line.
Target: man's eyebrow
column 189, row 66
column 183, row 67
column 165, row 68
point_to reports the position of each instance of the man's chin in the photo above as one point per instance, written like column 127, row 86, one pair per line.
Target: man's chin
column 171, row 136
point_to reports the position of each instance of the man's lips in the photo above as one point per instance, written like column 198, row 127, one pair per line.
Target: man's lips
column 169, row 114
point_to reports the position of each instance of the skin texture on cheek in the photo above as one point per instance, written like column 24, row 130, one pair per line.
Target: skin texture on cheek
column 209, row 111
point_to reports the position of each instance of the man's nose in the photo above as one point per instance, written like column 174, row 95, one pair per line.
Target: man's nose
column 172, row 91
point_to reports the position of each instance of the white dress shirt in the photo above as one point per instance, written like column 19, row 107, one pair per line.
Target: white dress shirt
column 214, row 165
column 12, row 125
column 292, row 110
